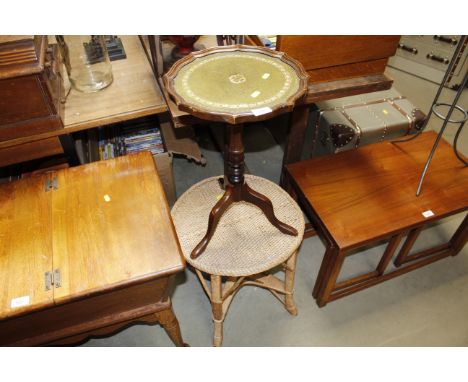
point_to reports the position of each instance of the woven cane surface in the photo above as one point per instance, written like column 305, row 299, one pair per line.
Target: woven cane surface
column 245, row 242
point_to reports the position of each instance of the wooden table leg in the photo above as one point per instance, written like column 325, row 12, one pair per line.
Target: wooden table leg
column 290, row 271
column 336, row 258
column 407, row 245
column 460, row 237
column 237, row 190
column 217, row 309
column 169, row 322
column 323, row 270
column 295, row 138
column 215, row 215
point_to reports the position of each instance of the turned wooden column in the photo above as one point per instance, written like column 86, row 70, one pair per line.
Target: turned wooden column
column 235, row 166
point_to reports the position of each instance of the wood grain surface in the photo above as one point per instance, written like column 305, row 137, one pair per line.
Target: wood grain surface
column 21, row 55
column 134, row 93
column 316, row 52
column 111, row 225
column 31, row 150
column 107, row 228
column 26, row 245
column 370, row 192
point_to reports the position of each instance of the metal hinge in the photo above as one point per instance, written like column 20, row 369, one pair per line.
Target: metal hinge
column 54, row 278
column 51, row 183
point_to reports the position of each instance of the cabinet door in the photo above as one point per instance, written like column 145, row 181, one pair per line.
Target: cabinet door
column 111, row 226
column 25, row 246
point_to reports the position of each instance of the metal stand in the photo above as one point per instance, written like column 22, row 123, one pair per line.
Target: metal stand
column 447, row 118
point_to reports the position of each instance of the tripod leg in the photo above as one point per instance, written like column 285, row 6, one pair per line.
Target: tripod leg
column 215, row 215
column 262, row 202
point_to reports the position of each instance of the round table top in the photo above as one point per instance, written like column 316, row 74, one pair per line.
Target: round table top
column 236, row 83
column 245, row 242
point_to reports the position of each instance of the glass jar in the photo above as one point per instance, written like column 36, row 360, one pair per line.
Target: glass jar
column 87, row 62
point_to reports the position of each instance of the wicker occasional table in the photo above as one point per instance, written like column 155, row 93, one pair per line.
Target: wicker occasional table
column 244, row 247
column 234, row 85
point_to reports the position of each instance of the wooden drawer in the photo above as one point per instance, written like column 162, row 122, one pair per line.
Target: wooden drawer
column 85, row 315
column 29, row 151
column 13, row 92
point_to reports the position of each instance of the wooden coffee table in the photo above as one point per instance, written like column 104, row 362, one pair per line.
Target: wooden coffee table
column 86, row 251
column 363, row 196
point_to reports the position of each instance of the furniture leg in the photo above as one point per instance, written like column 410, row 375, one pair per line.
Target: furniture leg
column 225, row 156
column 323, row 270
column 169, row 322
column 235, row 176
column 410, row 240
column 290, row 272
column 337, row 259
column 460, row 237
column 217, row 309
column 262, row 202
column 213, row 220
column 295, row 138
column 388, row 254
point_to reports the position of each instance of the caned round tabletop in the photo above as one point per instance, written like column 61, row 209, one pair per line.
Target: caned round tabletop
column 245, row 242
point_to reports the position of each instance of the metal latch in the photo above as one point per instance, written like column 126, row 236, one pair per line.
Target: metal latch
column 54, row 278
column 51, row 183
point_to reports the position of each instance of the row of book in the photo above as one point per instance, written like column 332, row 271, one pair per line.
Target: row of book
column 121, row 140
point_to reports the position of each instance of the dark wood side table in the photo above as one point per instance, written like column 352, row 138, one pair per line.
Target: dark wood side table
column 86, row 251
column 363, row 196
column 236, row 84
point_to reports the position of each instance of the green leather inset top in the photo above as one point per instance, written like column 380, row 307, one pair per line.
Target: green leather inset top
column 236, row 82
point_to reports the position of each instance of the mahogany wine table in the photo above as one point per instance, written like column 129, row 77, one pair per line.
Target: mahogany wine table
column 86, row 251
column 236, row 84
column 363, row 196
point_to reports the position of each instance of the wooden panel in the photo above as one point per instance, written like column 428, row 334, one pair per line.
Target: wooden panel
column 340, row 72
column 134, row 93
column 62, row 321
column 111, row 225
column 21, row 99
column 29, row 151
column 30, row 130
column 26, row 246
column 13, row 38
column 370, row 192
column 21, row 55
column 324, row 51
column 322, row 91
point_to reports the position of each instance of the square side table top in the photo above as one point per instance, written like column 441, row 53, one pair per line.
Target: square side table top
column 369, row 193
column 107, row 225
